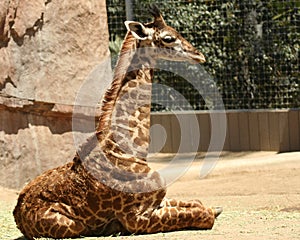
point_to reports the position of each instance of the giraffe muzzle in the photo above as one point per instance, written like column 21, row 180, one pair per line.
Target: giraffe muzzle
column 196, row 57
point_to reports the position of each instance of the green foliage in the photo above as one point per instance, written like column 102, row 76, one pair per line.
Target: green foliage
column 114, row 48
column 251, row 47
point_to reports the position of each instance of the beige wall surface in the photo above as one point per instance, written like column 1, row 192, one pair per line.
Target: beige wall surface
column 253, row 130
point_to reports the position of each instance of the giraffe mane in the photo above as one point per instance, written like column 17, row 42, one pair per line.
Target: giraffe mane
column 121, row 69
column 110, row 96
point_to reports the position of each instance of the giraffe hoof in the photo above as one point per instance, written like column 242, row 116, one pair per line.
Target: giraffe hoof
column 217, row 211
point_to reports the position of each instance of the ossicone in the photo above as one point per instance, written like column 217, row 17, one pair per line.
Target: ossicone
column 159, row 22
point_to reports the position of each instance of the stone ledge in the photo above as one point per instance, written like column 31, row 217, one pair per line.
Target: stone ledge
column 47, row 109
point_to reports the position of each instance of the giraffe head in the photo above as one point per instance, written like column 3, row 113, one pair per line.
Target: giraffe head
column 169, row 43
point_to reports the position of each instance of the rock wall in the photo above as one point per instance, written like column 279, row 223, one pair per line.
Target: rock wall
column 48, row 48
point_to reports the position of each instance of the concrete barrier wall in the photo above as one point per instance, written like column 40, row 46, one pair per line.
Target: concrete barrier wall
column 36, row 136
column 253, row 130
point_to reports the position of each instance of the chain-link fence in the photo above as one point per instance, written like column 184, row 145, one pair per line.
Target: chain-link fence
column 251, row 47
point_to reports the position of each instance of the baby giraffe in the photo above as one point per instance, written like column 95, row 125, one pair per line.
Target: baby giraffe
column 108, row 188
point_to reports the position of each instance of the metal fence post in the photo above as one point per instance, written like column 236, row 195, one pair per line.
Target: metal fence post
column 129, row 10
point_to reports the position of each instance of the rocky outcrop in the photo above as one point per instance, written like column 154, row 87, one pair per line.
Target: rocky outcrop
column 36, row 136
column 48, row 50
column 48, row 47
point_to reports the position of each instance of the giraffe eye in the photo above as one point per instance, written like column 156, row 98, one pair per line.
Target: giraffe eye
column 168, row 39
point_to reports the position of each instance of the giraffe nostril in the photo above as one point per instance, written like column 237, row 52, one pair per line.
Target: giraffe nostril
column 197, row 56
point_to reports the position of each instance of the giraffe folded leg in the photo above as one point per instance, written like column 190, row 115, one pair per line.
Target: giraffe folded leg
column 217, row 211
column 50, row 222
column 174, row 203
column 191, row 203
column 170, row 218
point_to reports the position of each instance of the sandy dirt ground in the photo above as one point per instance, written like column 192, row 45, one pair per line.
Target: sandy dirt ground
column 259, row 192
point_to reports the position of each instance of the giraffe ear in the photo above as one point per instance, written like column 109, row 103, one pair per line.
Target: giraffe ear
column 137, row 29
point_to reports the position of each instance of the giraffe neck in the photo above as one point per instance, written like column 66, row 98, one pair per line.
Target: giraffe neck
column 123, row 127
